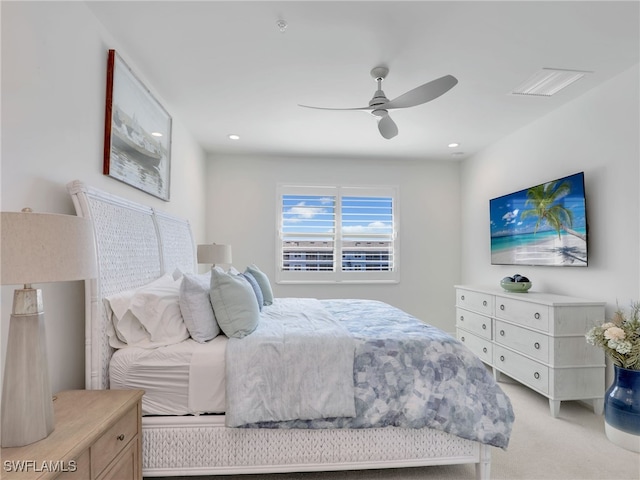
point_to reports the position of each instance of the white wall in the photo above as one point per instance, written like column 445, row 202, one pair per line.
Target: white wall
column 597, row 133
column 53, row 83
column 242, row 208
column 53, row 100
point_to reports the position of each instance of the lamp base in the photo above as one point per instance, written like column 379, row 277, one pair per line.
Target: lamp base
column 27, row 404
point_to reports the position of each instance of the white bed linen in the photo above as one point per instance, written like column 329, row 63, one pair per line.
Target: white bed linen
column 180, row 379
column 296, row 365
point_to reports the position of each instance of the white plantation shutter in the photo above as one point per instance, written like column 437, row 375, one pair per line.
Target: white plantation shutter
column 308, row 232
column 367, row 233
column 337, row 234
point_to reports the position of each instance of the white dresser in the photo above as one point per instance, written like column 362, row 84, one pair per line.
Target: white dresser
column 537, row 339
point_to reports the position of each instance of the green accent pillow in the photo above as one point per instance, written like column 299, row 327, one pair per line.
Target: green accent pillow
column 234, row 304
column 263, row 281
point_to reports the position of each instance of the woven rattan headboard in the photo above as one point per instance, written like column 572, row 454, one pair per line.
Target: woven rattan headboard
column 135, row 244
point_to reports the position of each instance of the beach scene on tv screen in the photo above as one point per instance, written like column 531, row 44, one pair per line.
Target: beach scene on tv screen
column 542, row 225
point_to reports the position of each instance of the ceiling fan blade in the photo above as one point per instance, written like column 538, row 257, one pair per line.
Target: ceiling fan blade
column 424, row 93
column 327, row 108
column 388, row 128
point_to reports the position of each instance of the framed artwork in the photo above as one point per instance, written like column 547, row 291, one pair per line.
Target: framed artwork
column 137, row 138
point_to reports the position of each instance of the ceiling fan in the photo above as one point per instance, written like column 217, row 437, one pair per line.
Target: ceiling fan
column 380, row 105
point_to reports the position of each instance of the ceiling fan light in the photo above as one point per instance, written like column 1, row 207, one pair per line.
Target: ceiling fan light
column 548, row 81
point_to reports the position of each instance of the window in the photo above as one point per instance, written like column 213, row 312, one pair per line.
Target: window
column 337, row 234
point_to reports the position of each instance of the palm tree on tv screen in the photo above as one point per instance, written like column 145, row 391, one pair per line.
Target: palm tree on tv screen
column 542, row 199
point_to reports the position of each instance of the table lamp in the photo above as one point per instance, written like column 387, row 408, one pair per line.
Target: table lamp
column 214, row 254
column 36, row 248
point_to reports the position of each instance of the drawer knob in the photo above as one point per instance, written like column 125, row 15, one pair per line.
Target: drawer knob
column 461, row 297
column 537, row 346
column 462, row 318
column 484, row 303
column 462, row 339
column 120, row 437
column 536, row 376
column 484, row 349
column 501, row 307
column 502, row 333
column 536, row 316
column 484, row 326
column 502, row 358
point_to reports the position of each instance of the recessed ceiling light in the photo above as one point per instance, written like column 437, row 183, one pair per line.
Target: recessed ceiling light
column 156, row 134
column 548, row 81
column 233, row 136
column 453, row 145
column 282, row 25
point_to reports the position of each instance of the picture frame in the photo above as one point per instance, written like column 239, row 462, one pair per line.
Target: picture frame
column 137, row 137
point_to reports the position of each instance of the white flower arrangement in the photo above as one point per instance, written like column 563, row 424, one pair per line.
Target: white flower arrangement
column 620, row 338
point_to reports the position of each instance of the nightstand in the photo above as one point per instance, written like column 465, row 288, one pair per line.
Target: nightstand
column 97, row 436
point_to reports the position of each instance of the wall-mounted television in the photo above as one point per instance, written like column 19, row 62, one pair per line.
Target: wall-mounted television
column 545, row 224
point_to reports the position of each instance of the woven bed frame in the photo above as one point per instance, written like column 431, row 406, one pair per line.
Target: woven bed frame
column 136, row 244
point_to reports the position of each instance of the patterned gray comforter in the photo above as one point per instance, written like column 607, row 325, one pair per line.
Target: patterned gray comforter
column 409, row 374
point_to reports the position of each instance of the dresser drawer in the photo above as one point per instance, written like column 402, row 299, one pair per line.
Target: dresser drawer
column 474, row 322
column 529, row 343
column 109, row 445
column 482, row 347
column 81, row 468
column 521, row 368
column 530, row 314
column 125, row 467
column 476, row 301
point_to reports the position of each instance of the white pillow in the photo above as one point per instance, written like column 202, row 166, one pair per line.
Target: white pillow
column 124, row 328
column 148, row 316
column 234, row 304
column 196, row 308
column 177, row 274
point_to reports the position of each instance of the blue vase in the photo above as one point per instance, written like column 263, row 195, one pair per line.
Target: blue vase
column 622, row 409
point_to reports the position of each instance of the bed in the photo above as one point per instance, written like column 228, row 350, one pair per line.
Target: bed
column 135, row 246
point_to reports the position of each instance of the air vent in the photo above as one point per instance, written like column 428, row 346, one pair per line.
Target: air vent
column 548, row 81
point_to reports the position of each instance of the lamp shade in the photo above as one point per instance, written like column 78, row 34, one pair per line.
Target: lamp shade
column 213, row 253
column 45, row 247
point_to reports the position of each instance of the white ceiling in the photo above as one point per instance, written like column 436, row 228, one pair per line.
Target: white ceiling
column 225, row 67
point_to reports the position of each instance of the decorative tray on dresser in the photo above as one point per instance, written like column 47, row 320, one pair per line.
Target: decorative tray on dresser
column 97, row 436
column 537, row 339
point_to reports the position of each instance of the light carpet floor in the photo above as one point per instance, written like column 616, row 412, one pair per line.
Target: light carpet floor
column 570, row 447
